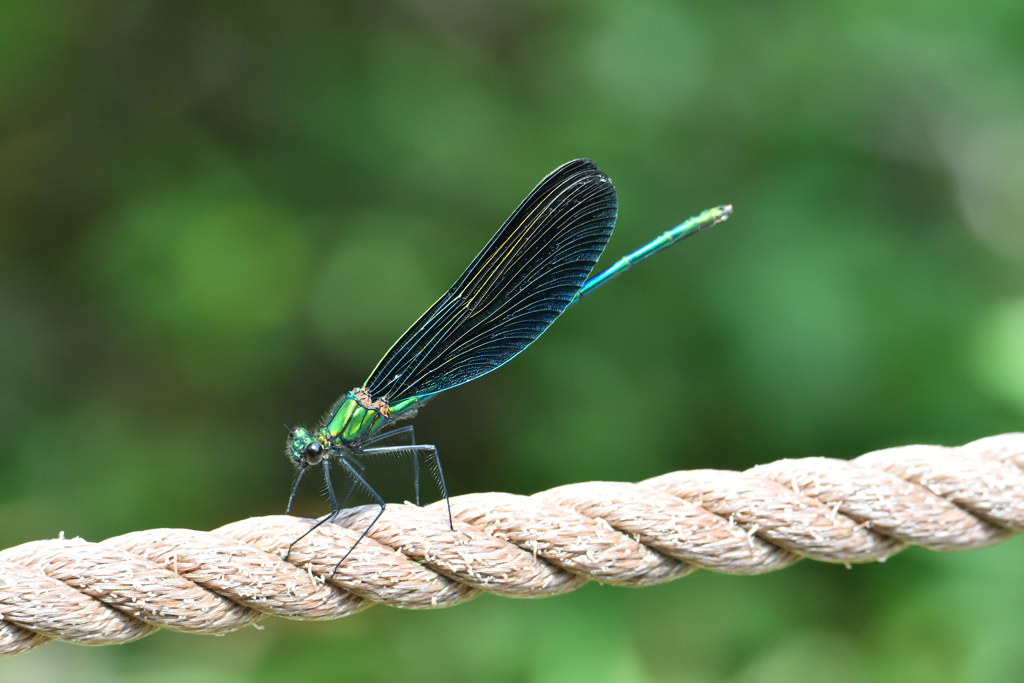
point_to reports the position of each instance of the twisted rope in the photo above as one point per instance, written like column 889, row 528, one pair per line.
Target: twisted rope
column 749, row 522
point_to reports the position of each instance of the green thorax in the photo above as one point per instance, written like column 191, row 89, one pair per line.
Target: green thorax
column 358, row 415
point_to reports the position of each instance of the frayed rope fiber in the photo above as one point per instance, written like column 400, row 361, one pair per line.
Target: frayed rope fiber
column 624, row 534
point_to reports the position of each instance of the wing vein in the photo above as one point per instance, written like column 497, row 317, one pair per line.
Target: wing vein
column 517, row 285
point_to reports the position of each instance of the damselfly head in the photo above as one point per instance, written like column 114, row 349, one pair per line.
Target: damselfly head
column 300, row 445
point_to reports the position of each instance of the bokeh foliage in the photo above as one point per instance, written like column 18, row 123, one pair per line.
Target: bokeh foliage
column 215, row 217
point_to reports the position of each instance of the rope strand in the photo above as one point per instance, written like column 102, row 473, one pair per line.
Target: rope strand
column 752, row 522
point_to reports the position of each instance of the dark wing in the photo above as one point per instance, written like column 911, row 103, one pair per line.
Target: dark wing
column 512, row 291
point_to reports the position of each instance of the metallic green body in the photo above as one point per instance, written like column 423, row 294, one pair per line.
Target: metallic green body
column 355, row 417
column 406, row 408
column 352, row 421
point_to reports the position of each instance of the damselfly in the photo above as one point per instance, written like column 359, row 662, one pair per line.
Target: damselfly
column 534, row 268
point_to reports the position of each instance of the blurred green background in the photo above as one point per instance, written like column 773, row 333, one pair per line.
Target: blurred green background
column 216, row 217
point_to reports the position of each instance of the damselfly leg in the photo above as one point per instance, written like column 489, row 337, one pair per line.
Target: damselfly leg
column 396, row 436
column 380, row 501
column 432, row 458
column 327, row 517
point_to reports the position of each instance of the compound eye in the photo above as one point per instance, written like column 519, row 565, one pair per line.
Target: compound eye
column 314, row 453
